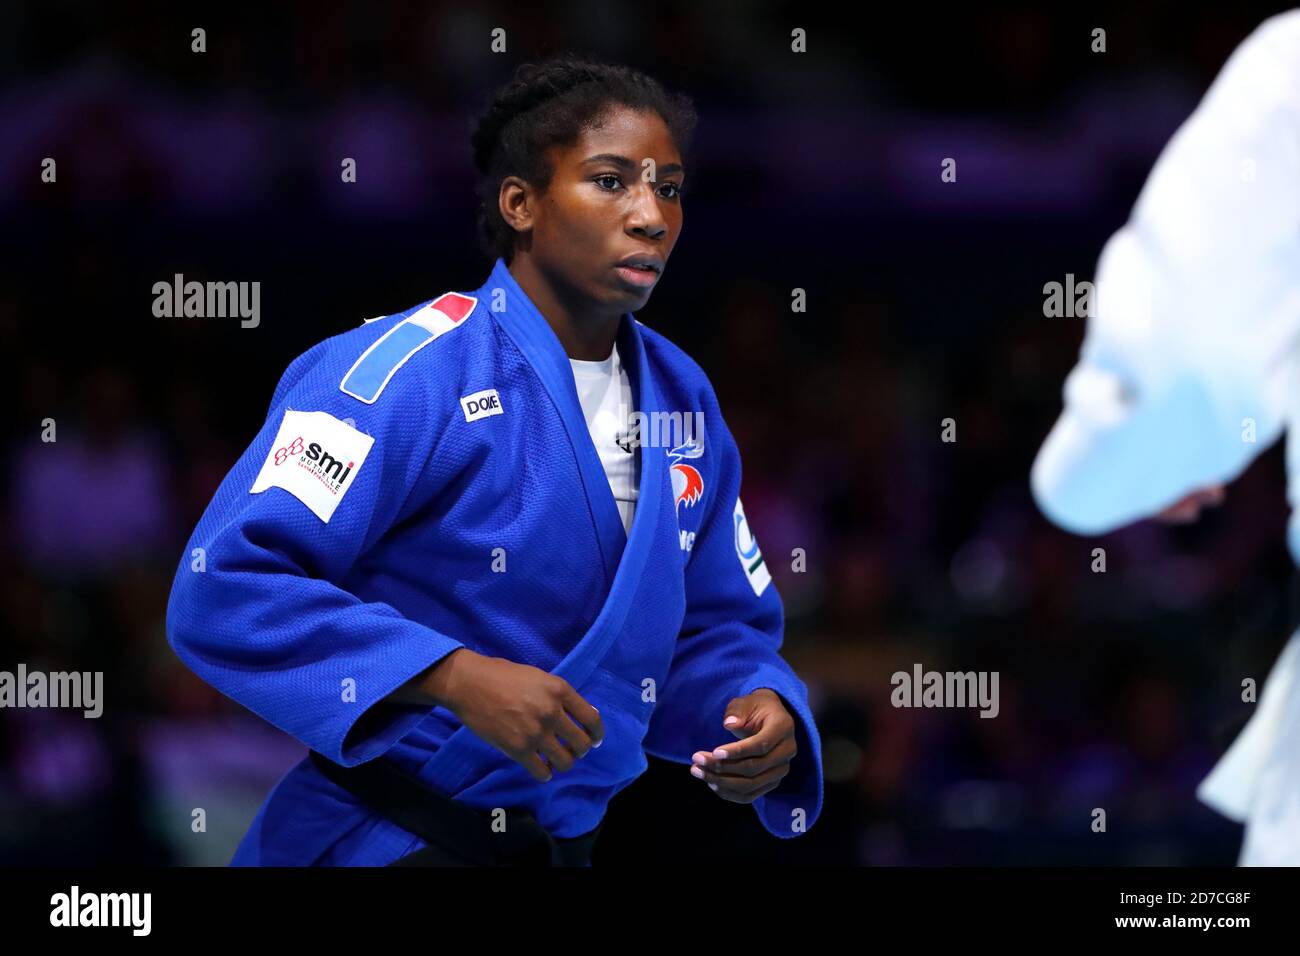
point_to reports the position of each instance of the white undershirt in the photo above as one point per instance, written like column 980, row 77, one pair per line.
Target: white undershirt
column 606, row 397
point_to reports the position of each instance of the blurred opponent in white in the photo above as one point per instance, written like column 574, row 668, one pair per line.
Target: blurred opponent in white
column 1193, row 341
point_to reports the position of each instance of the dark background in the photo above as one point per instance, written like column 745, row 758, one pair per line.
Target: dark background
column 819, row 171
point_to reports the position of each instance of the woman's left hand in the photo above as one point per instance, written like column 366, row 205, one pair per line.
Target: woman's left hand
column 743, row 771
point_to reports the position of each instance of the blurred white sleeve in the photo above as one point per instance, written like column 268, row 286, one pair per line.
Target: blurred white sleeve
column 1191, row 348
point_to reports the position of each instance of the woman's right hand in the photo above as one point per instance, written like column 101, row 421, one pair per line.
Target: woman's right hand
column 1188, row 508
column 533, row 717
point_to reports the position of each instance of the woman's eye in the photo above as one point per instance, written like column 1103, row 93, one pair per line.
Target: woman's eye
column 608, row 178
column 676, row 190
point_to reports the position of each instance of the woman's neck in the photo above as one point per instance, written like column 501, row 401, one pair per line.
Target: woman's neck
column 585, row 334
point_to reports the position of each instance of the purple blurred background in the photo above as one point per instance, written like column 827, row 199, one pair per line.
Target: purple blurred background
column 818, row 171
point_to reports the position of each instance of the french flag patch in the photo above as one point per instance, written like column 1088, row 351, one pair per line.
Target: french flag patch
column 371, row 373
column 453, row 305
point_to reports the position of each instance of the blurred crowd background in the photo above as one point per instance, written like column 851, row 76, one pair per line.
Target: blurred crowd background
column 818, row 171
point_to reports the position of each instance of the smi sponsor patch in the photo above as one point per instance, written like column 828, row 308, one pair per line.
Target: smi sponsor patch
column 315, row 457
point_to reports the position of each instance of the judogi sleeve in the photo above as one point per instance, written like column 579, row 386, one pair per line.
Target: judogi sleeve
column 260, row 607
column 1189, row 355
column 729, row 647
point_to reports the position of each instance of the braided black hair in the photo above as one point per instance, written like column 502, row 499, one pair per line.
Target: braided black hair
column 549, row 104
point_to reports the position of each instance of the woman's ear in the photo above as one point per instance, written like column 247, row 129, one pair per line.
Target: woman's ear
column 515, row 200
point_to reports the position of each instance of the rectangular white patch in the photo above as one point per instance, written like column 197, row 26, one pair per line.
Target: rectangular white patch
column 315, row 457
column 751, row 558
column 481, row 405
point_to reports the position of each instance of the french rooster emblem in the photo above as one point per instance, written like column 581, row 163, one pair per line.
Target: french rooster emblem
column 688, row 484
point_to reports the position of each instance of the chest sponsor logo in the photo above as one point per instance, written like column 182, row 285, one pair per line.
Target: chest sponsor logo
column 481, row 405
column 315, row 457
column 688, row 483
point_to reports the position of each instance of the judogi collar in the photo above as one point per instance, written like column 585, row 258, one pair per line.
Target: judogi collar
column 624, row 556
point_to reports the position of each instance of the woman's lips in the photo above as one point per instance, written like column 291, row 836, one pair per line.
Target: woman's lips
column 641, row 278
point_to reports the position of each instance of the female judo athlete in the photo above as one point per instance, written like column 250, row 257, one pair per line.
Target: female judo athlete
column 473, row 562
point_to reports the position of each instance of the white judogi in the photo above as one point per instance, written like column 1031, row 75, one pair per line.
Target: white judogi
column 1191, row 367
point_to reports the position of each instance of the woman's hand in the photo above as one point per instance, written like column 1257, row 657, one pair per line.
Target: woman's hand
column 1188, row 509
column 744, row 771
column 519, row 709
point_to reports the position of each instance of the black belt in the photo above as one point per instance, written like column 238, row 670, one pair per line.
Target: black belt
column 457, row 834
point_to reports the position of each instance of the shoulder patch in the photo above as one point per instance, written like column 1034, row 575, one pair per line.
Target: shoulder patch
column 751, row 559
column 369, row 374
column 315, row 457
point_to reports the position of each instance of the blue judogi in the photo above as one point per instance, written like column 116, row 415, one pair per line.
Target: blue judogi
column 427, row 482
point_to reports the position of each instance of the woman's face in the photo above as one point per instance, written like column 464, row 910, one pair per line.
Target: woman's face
column 607, row 204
